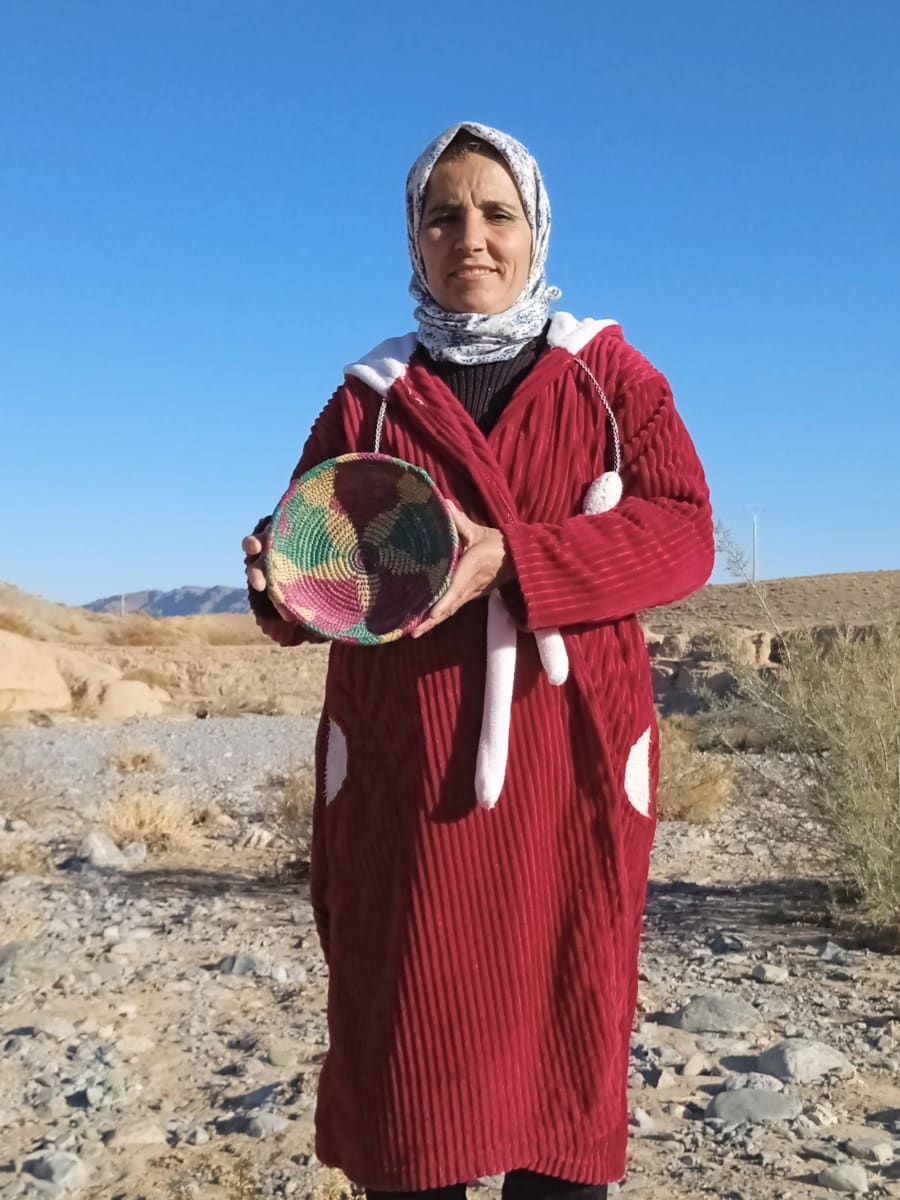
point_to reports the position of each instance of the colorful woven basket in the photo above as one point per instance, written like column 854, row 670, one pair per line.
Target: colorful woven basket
column 362, row 547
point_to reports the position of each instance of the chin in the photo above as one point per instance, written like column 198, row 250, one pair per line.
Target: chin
column 475, row 300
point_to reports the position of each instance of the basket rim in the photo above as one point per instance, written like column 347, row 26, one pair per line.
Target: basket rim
column 448, row 527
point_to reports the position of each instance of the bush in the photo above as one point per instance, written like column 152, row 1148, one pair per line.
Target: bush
column 132, row 760
column 13, row 623
column 693, row 785
column 292, row 795
column 158, row 818
column 835, row 701
column 137, row 629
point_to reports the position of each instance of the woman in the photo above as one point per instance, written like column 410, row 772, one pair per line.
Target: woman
column 486, row 787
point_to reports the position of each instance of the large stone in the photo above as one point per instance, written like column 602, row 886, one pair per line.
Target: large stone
column 264, row 1124
column 801, row 1060
column 125, row 698
column 241, row 964
column 85, row 677
column 716, row 1013
column 849, row 1178
column 879, row 1150
column 99, row 850
column 65, row 1171
column 29, row 678
column 753, row 1106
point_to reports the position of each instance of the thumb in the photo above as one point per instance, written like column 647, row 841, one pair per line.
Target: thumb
column 466, row 529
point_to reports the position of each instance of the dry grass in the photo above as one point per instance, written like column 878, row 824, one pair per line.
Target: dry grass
column 291, row 795
column 137, row 629
column 18, row 856
column 230, row 629
column 835, row 701
column 233, row 1172
column 12, row 623
column 134, row 760
column 152, row 677
column 694, row 785
column 160, row 819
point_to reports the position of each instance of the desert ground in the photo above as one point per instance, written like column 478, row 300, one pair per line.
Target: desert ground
column 162, row 992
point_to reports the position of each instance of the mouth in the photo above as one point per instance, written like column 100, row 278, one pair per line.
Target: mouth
column 472, row 272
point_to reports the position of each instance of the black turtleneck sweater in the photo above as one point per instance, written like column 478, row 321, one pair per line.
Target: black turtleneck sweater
column 485, row 389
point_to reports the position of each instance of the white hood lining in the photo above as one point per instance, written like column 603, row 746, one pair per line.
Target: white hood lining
column 382, row 367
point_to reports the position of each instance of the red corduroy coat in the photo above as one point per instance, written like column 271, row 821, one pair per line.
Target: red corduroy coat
column 483, row 963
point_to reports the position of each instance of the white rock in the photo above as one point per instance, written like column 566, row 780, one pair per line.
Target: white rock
column 770, row 973
column 801, row 1060
column 143, row 1134
column 697, row 1064
column 101, row 851
column 849, row 1178
column 66, row 1171
column 262, row 1124
column 871, row 1149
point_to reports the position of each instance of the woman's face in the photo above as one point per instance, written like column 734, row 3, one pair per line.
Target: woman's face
column 474, row 238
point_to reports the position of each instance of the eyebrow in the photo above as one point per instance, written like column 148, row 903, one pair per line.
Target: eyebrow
column 449, row 207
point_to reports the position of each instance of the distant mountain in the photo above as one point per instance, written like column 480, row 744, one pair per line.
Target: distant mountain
column 180, row 602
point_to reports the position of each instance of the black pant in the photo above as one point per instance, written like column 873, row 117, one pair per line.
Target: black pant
column 517, row 1185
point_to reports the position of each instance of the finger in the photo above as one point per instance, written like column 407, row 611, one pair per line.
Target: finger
column 445, row 608
column 256, row 578
column 251, row 545
column 466, row 528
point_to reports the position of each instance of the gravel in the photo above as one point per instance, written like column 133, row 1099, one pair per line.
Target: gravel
column 220, row 758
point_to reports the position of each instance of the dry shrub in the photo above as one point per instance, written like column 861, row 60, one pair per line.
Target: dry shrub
column 291, row 797
column 694, row 785
column 233, row 1172
column 241, row 631
column 835, row 702
column 151, row 677
column 134, row 760
column 18, row 856
column 13, row 623
column 137, row 629
column 160, row 819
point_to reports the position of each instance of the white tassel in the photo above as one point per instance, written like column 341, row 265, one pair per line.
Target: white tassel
column 493, row 745
column 554, row 659
column 603, row 494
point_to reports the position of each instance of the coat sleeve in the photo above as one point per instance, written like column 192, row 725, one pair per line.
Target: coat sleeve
column 655, row 547
column 326, row 440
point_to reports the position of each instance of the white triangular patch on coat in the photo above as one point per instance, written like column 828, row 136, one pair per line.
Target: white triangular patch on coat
column 382, row 367
column 573, row 335
column 637, row 773
column 335, row 761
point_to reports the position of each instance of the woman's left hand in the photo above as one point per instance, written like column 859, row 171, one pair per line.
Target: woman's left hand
column 483, row 565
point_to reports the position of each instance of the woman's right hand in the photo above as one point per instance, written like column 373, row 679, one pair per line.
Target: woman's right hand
column 255, row 546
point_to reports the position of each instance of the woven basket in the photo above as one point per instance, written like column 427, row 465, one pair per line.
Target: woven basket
column 362, row 547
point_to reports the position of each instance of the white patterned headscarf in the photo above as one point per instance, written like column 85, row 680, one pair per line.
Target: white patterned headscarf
column 482, row 337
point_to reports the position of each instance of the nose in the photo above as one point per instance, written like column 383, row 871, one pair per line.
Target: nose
column 471, row 231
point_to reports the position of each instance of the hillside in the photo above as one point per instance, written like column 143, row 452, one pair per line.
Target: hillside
column 64, row 663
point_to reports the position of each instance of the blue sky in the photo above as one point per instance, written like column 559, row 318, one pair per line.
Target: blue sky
column 201, row 222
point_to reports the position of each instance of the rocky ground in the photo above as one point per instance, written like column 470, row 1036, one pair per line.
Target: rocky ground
column 162, row 1018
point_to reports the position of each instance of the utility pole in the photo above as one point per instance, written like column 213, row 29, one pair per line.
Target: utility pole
column 753, row 569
